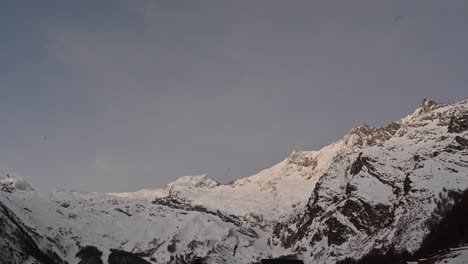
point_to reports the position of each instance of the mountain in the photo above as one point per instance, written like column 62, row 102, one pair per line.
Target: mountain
column 446, row 242
column 60, row 224
column 382, row 194
column 377, row 188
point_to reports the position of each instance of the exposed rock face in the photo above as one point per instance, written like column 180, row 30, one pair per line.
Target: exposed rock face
column 363, row 136
column 458, row 123
column 429, row 105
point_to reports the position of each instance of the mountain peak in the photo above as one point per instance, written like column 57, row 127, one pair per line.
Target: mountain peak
column 426, row 101
column 197, row 181
column 366, row 135
column 428, row 105
column 9, row 183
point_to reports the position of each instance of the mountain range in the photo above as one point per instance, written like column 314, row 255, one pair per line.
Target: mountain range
column 377, row 188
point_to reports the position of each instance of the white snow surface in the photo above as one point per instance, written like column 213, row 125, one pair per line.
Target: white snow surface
column 77, row 219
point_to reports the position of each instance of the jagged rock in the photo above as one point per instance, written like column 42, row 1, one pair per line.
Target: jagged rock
column 458, row 123
column 429, row 105
column 381, row 194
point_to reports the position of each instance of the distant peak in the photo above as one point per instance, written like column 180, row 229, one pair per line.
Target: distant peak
column 10, row 182
column 428, row 102
column 197, row 181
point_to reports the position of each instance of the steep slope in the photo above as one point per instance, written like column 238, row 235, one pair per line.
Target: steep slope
column 19, row 242
column 446, row 241
column 382, row 194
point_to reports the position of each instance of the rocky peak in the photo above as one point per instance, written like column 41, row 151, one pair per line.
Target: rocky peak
column 365, row 135
column 382, row 197
column 428, row 105
column 10, row 183
column 302, row 158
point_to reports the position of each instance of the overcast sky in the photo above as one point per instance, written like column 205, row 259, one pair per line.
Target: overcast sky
column 115, row 95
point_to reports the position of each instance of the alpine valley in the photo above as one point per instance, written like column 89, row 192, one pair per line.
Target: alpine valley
column 377, row 188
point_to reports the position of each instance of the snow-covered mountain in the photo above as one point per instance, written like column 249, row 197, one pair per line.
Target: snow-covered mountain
column 381, row 195
column 374, row 188
column 60, row 224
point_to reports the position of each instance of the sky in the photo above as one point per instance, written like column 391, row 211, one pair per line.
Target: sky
column 116, row 95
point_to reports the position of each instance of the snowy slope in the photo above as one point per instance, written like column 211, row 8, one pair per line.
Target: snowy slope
column 374, row 188
column 280, row 190
column 381, row 195
column 71, row 219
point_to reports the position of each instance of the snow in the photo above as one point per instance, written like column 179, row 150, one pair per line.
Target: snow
column 373, row 190
column 98, row 219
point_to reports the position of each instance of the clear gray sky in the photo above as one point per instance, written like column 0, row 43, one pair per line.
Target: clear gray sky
column 115, row 95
